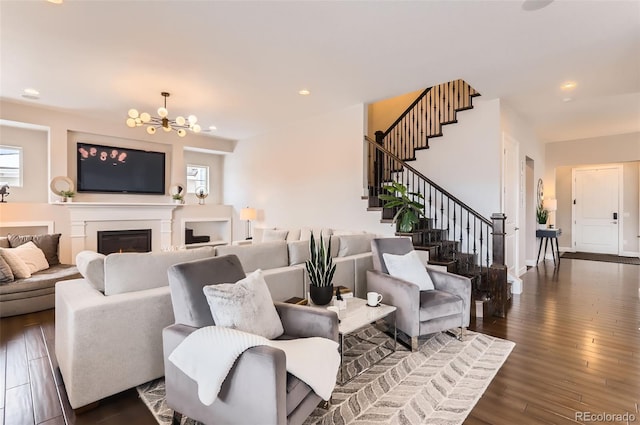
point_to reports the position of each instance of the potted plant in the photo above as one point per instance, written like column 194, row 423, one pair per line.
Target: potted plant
column 541, row 216
column 321, row 269
column 177, row 198
column 67, row 195
column 409, row 209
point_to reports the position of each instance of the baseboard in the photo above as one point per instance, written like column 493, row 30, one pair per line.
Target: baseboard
column 566, row 249
column 629, row 254
column 530, row 263
column 522, row 270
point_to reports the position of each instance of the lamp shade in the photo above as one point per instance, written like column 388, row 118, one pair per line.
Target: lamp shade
column 550, row 204
column 248, row 214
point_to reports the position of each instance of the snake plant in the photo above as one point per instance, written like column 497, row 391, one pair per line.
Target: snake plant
column 320, row 264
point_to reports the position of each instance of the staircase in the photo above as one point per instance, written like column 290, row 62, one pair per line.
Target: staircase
column 456, row 236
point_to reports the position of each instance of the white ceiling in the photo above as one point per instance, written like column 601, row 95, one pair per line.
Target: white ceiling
column 239, row 64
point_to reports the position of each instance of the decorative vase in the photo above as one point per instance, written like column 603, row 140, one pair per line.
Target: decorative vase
column 542, row 226
column 321, row 295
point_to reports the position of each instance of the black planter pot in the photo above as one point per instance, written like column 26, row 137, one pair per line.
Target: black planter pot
column 321, row 295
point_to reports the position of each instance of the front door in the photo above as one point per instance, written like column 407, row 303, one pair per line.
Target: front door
column 596, row 209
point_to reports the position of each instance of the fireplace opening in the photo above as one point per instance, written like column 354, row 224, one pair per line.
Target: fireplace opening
column 110, row 241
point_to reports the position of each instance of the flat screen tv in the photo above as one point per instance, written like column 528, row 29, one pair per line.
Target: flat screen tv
column 119, row 170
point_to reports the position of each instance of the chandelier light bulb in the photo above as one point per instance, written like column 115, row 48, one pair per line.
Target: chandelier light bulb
column 138, row 121
column 193, row 119
column 180, row 120
column 196, row 128
column 163, row 112
column 182, row 133
column 145, row 117
column 133, row 113
column 151, row 130
column 131, row 122
column 167, row 128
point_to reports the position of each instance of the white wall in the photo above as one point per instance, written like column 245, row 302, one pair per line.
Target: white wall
column 34, row 145
column 216, row 175
column 308, row 174
column 530, row 146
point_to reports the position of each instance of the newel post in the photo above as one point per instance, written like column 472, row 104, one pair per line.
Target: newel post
column 498, row 271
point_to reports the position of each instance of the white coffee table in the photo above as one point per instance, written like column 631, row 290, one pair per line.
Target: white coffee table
column 357, row 316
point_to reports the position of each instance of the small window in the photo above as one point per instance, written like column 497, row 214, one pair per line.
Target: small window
column 11, row 166
column 197, row 176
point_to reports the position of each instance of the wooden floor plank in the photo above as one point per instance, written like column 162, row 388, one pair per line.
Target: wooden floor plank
column 16, row 363
column 3, row 373
column 18, row 408
column 34, row 342
column 46, row 404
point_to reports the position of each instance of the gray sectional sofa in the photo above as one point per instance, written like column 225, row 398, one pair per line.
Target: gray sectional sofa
column 35, row 293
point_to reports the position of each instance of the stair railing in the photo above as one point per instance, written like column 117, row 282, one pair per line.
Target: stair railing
column 424, row 118
column 458, row 221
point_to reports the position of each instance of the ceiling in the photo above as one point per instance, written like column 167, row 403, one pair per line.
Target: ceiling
column 239, row 65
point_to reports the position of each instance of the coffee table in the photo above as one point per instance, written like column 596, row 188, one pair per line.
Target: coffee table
column 357, row 316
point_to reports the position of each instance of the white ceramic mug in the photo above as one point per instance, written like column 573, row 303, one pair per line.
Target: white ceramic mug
column 373, row 298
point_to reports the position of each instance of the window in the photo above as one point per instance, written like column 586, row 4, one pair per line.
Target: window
column 197, row 176
column 11, row 166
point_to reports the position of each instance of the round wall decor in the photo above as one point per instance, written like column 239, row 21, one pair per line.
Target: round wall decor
column 62, row 184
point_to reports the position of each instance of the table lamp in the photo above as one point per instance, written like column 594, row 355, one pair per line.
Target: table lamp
column 551, row 205
column 248, row 214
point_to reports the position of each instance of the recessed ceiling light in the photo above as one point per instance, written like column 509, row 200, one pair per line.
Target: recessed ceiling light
column 213, row 128
column 55, row 1
column 30, row 93
column 304, row 92
column 569, row 85
column 567, row 99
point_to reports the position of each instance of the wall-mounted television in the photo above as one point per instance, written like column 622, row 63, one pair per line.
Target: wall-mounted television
column 112, row 169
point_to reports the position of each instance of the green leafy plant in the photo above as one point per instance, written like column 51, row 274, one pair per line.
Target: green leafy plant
column 320, row 264
column 542, row 215
column 177, row 197
column 67, row 193
column 409, row 210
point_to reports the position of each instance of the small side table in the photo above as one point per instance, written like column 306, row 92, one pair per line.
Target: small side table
column 545, row 235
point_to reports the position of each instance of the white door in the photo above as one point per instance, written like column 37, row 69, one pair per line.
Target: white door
column 510, row 201
column 595, row 209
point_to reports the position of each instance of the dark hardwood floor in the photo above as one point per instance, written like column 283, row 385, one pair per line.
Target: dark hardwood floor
column 576, row 329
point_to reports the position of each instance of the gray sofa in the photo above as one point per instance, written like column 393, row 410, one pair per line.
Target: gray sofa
column 35, row 293
column 109, row 324
column 283, row 263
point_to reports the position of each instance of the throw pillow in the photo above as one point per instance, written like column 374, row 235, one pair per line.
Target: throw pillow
column 272, row 235
column 32, row 256
column 409, row 267
column 47, row 243
column 245, row 305
column 19, row 269
column 6, row 275
column 355, row 244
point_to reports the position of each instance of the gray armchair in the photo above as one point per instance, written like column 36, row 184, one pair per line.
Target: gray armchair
column 258, row 388
column 420, row 312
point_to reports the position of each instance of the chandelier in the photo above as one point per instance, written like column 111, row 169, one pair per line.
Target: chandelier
column 180, row 124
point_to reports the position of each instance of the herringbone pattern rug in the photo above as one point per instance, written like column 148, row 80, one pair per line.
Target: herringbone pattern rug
column 439, row 384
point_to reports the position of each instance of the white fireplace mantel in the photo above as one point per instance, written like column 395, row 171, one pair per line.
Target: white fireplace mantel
column 83, row 212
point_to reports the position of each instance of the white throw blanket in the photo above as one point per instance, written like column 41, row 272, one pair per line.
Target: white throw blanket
column 208, row 354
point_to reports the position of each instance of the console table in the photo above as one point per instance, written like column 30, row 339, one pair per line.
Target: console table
column 545, row 235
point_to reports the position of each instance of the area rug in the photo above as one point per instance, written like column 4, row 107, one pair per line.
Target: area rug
column 438, row 384
column 609, row 258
